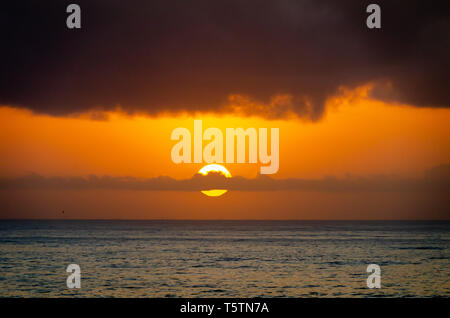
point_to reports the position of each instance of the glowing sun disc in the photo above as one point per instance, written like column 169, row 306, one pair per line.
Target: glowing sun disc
column 215, row 168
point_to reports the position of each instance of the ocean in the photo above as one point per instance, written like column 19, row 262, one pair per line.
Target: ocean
column 224, row 258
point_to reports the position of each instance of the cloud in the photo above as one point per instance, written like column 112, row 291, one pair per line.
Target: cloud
column 268, row 58
column 434, row 180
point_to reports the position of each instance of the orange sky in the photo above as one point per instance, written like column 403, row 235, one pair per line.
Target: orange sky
column 356, row 136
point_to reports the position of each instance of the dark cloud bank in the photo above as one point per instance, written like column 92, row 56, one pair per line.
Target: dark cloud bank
column 168, row 55
column 434, row 180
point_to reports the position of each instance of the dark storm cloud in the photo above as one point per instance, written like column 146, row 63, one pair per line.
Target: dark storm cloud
column 434, row 180
column 168, row 55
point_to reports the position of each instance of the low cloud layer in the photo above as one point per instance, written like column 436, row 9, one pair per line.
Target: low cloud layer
column 259, row 57
column 435, row 180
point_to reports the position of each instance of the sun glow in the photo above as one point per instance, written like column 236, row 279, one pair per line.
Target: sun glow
column 215, row 168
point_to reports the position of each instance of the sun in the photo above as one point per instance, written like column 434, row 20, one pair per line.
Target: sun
column 215, row 168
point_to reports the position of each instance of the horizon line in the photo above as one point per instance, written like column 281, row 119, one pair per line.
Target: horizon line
column 269, row 220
